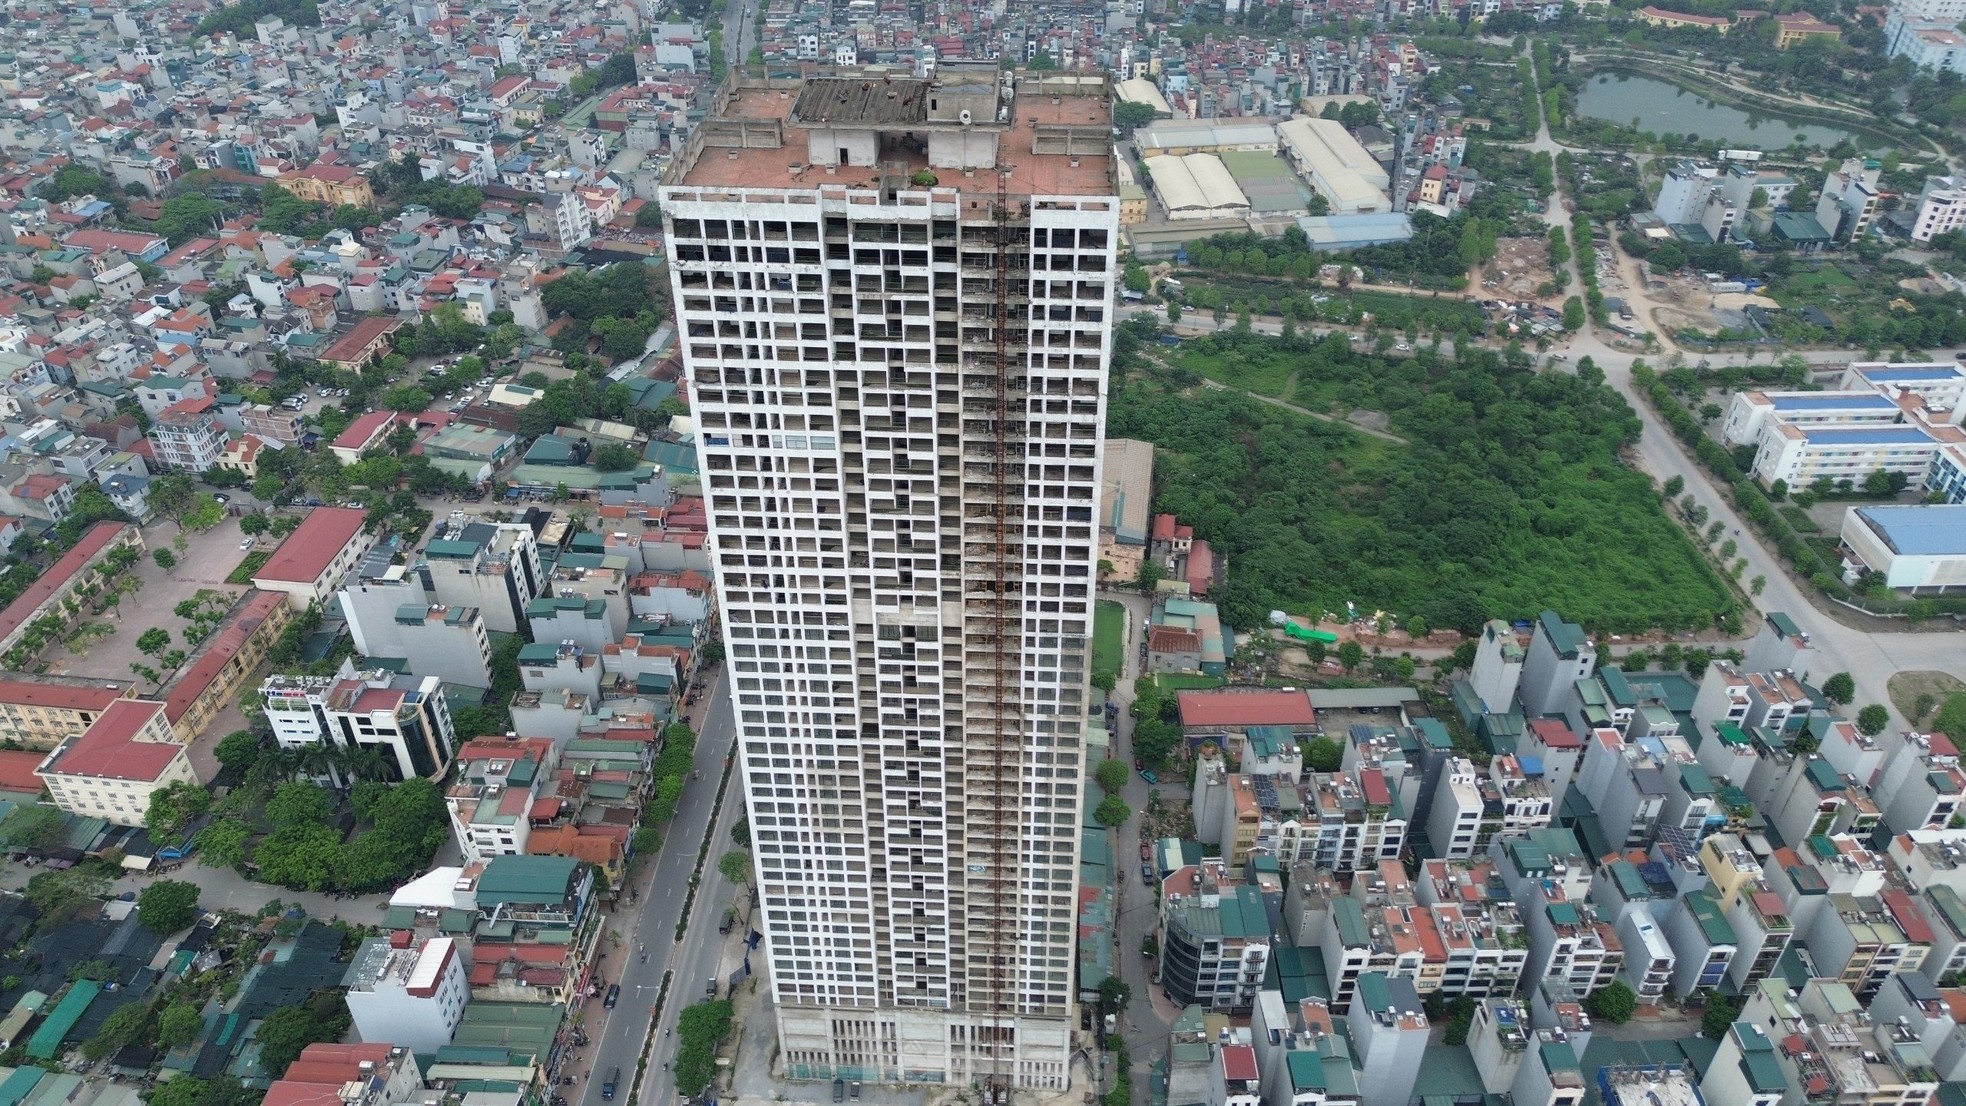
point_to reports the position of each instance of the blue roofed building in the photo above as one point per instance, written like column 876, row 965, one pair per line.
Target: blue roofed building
column 1921, row 547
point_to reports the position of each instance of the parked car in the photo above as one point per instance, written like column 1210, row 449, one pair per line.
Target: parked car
column 607, row 1088
column 1149, row 776
column 1146, row 873
column 614, row 996
column 246, row 543
column 1146, row 852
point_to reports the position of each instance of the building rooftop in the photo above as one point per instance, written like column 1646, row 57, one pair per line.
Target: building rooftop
column 757, row 135
column 98, row 538
column 313, row 545
column 1919, row 530
column 1246, row 708
column 109, row 748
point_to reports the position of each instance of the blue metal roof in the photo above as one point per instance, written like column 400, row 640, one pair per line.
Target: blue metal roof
column 1923, row 530
column 1933, row 371
column 1882, row 435
column 1834, row 401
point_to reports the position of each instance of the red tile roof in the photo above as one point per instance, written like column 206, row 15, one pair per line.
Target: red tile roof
column 335, row 1064
column 109, row 749
column 48, row 583
column 28, row 693
column 198, row 678
column 364, row 429
column 1246, row 708
column 313, row 545
column 17, row 770
column 1238, row 1062
column 1555, row 733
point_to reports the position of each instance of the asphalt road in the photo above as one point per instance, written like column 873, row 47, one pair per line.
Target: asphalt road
column 616, row 1036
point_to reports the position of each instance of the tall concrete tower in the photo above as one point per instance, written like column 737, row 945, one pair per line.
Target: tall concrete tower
column 895, row 299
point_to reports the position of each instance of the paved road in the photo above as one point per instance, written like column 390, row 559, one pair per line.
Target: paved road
column 616, row 1036
column 1147, row 1019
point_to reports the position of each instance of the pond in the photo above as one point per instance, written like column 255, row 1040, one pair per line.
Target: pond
column 1664, row 108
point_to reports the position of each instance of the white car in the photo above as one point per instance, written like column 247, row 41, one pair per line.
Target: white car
column 246, row 543
column 1403, row 348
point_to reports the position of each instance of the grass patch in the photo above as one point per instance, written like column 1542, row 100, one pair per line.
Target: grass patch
column 1829, row 276
column 253, row 563
column 1799, row 519
column 1920, row 695
column 1176, row 681
column 1109, row 637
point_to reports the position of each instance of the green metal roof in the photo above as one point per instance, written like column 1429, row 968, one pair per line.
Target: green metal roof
column 1758, row 1063
column 455, row 549
column 46, row 1042
column 1695, row 779
column 525, row 879
column 1713, row 924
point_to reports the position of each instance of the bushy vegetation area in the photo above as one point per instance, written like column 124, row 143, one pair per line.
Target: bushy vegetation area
column 239, row 18
column 701, row 1031
column 1510, row 499
column 295, row 832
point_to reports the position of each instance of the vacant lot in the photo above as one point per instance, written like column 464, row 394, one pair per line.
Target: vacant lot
column 1919, row 696
column 1511, row 499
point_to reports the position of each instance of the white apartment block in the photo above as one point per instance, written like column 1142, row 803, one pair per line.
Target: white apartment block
column 1941, row 208
column 189, row 440
column 894, row 298
column 411, row 996
column 408, row 718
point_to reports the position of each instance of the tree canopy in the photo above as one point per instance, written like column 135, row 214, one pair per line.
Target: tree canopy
column 168, row 905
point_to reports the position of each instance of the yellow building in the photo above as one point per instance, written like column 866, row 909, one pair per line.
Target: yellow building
column 41, row 712
column 1791, row 29
column 334, row 185
column 211, row 680
column 1659, row 17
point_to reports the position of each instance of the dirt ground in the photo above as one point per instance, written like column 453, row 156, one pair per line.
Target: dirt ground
column 1908, row 687
column 1521, row 266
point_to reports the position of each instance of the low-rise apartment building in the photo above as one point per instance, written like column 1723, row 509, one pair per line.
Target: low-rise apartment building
column 40, row 712
column 111, row 769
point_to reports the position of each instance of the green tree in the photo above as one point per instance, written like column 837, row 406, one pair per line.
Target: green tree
column 172, row 808
column 299, row 803
column 1351, row 654
column 1573, row 314
column 1114, row 994
column 735, row 866
column 1673, row 486
column 1324, row 754
column 168, row 905
column 1154, row 740
column 57, row 894
column 1666, row 257
column 223, row 843
column 189, row 1090
column 1105, row 682
column 615, row 457
column 154, row 641
column 1719, row 1016
column 405, row 397
column 33, row 827
column 285, row 1032
column 1112, row 811
column 165, row 559
column 1112, row 775
column 1872, row 719
column 123, row 1026
column 179, row 1025
column 303, row 857
column 1840, row 689
column 1128, row 115
column 1615, row 1002
column 699, row 1031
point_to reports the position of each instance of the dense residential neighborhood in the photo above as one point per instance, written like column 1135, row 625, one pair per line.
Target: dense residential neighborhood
column 1219, row 553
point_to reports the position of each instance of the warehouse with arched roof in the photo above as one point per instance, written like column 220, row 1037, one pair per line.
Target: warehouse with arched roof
column 1197, row 186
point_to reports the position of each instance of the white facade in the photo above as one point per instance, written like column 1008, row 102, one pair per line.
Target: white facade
column 413, row 997
column 411, row 725
column 1941, row 208
column 1911, row 546
column 111, row 769
column 911, row 737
